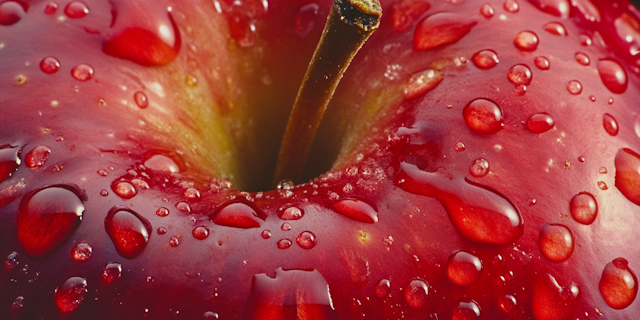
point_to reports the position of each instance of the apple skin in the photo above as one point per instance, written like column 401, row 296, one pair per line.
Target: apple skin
column 206, row 113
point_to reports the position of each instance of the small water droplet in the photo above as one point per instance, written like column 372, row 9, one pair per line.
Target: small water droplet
column 11, row 12
column 416, row 292
column 306, row 18
column 441, row 29
column 11, row 261
column 162, row 212
column 128, row 231
column 584, row 208
column 612, row 75
column 511, row 6
column 602, row 185
column 466, row 310
column 49, row 65
column 582, row 58
column 464, row 268
column 210, row 315
column 51, row 8
column 238, row 214
column 124, row 189
column 574, row 87
column 507, row 303
column 479, row 168
column 487, row 11
column 459, row 146
column 9, row 161
column 356, row 209
column 602, row 170
column 111, row 272
column 18, row 303
column 477, row 212
column 550, row 301
column 200, row 232
column 163, row 163
column 76, row 9
column 526, row 41
column 141, row 99
column 174, row 241
column 192, row 193
column 483, row 116
column 37, row 157
column 265, row 234
column 102, row 172
column 285, row 184
column 555, row 28
column 81, row 251
column 627, row 164
column 485, row 59
column 519, row 74
column 306, row 240
column 422, row 82
column 82, row 72
column 383, row 288
column 70, row 295
column 540, row 122
column 47, row 218
column 541, row 63
column 286, row 226
column 162, row 230
column 242, row 29
column 556, row 242
column 558, row 8
column 284, row 244
column 183, row 206
column 290, row 213
column 592, row 98
column 104, row 192
column 618, row 284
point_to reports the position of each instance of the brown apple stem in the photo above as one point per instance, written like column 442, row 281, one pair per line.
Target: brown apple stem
column 349, row 25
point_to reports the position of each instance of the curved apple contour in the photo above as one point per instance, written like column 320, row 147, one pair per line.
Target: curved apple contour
column 490, row 175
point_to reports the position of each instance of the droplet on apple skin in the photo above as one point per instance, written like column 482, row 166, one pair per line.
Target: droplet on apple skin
column 306, row 18
column 47, row 218
column 284, row 243
column 551, row 301
column 70, row 295
column 290, row 213
column 49, row 65
column 76, row 10
column 507, row 303
column 382, row 288
column 526, row 41
column 111, row 272
column 405, row 12
column 124, row 189
column 584, row 208
column 613, row 76
column 11, row 261
column 627, row 163
column 81, row 251
column 574, row 87
column 485, row 59
column 128, row 231
column 542, row 63
column 610, row 124
column 464, row 268
column 520, row 74
column 618, row 284
column 441, row 29
column 511, row 6
column 556, row 242
column 238, row 213
column 141, row 99
column 466, row 310
column 356, row 209
column 37, row 157
column 11, row 12
column 482, row 115
column 200, row 232
column 540, row 122
column 82, row 72
column 422, row 82
column 416, row 292
column 558, row 8
column 9, row 161
column 582, row 58
column 555, row 28
column 479, row 168
column 306, row 240
column 265, row 234
column 51, row 8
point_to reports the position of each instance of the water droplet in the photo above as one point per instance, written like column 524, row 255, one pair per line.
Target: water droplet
column 285, row 184
column 612, row 75
column 507, row 303
column 550, row 301
column 81, row 251
column 102, row 172
column 556, row 242
column 422, row 82
column 540, row 122
column 183, row 206
column 487, row 11
column 511, row 6
column 555, row 28
column 141, row 99
column 592, row 98
column 162, row 212
column 10, row 13
column 306, row 240
column 415, row 293
column 459, row 146
column 76, row 9
column 357, row 210
column 162, row 163
column 200, row 232
column 144, row 35
column 477, row 212
column 305, row 19
column 70, row 295
column 49, row 65
column 210, row 315
column 466, row 310
column 128, row 231
column 602, row 185
column 584, row 208
column 192, row 193
column 602, row 170
column 174, row 241
column 464, row 268
column 585, row 40
column 47, row 218
column 541, row 63
column 9, row 161
column 284, row 244
column 626, row 26
column 37, row 157
column 124, row 189
column 479, row 168
column 574, row 87
column 11, row 261
column 238, row 214
column 483, row 116
column 51, row 8
column 82, row 72
column 162, row 230
column 627, row 164
column 290, row 293
column 290, row 213
column 526, row 41
column 265, row 234
column 18, row 303
column 610, row 101
column 441, row 29
column 383, row 288
column 558, row 8
column 286, row 226
column 519, row 74
column 242, row 29
column 618, row 284
column 104, row 192
column 582, row 58
column 111, row 272
column 485, row 59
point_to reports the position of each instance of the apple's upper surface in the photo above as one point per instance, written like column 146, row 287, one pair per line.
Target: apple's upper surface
column 481, row 161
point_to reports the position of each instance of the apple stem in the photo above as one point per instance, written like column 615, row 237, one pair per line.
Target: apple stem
column 349, row 25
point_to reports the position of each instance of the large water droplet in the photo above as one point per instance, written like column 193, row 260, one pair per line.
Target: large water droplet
column 612, row 75
column 306, row 240
column 610, row 124
column 124, row 189
column 49, row 65
column 555, row 28
column 200, row 232
column 466, row 310
column 82, row 72
column 305, row 19
column 9, row 161
column 556, row 242
column 478, row 213
column 37, row 157
column 238, row 213
column 10, row 13
column 82, row 251
column 128, row 231
column 584, row 208
column 290, row 213
column 291, row 294
column 422, row 82
column 540, row 122
column 558, row 8
column 485, row 59
column 163, row 163
column 574, row 87
column 284, row 244
column 47, row 218
column 142, row 34
column 416, row 292
column 440, row 29
column 111, row 272
column 464, row 268
column 357, row 210
column 550, row 301
column 70, row 295
column 76, row 9
column 519, row 74
column 526, row 41
column 483, row 116
column 405, row 12
column 383, row 288
column 618, row 284
column 542, row 63
column 627, row 164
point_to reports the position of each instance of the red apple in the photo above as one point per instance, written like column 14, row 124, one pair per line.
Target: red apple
column 479, row 160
